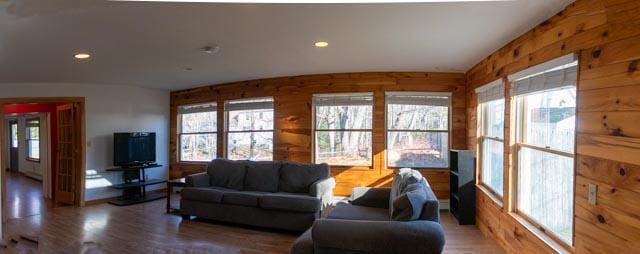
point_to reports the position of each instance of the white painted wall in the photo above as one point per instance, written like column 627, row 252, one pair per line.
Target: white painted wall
column 109, row 109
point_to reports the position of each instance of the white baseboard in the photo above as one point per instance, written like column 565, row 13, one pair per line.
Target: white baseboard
column 444, row 204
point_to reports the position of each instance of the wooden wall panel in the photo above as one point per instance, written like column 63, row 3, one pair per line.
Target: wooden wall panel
column 606, row 35
column 293, row 119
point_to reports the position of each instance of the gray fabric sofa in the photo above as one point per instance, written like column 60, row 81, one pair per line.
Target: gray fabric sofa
column 275, row 194
column 402, row 219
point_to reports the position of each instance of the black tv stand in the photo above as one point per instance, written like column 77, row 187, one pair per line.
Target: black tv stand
column 134, row 188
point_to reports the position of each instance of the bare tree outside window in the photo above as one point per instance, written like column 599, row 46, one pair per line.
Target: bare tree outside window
column 250, row 129
column 343, row 129
column 417, row 130
column 197, row 134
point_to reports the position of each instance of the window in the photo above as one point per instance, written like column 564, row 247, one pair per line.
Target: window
column 491, row 106
column 33, row 139
column 418, row 129
column 546, row 107
column 343, row 129
column 197, row 134
column 14, row 135
column 250, row 129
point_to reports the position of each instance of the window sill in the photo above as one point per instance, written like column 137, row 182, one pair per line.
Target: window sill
column 346, row 167
column 489, row 193
column 194, row 162
column 552, row 243
column 420, row 168
column 33, row 160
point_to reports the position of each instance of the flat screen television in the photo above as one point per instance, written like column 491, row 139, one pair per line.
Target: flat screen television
column 134, row 148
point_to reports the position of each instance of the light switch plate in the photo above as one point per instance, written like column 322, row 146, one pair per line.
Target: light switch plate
column 593, row 193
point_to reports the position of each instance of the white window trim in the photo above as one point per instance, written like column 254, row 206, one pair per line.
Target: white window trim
column 314, row 130
column 265, row 105
column 520, row 142
column 29, row 139
column 180, row 133
column 448, row 131
column 482, row 137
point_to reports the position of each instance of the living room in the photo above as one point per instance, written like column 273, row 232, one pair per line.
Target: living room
column 273, row 126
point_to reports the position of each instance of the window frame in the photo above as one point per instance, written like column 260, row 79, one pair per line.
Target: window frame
column 448, row 131
column 180, row 133
column 520, row 102
column 315, row 130
column 482, row 138
column 227, row 131
column 29, row 124
column 14, row 137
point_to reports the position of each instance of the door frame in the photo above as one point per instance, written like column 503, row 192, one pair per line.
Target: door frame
column 81, row 132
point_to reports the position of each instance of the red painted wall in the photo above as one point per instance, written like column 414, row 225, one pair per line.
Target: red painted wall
column 42, row 108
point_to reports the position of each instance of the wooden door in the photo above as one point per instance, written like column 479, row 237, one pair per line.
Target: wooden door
column 67, row 155
column 13, row 146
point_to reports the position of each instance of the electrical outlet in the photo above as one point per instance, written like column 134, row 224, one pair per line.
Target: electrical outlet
column 593, row 193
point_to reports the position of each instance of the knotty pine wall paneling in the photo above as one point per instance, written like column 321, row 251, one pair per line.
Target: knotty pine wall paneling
column 606, row 35
column 293, row 119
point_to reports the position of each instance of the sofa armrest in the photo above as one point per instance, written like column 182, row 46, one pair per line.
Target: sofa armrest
column 198, row 180
column 431, row 207
column 323, row 189
column 378, row 236
column 371, row 197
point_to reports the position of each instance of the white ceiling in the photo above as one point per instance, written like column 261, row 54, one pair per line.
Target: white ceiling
column 152, row 44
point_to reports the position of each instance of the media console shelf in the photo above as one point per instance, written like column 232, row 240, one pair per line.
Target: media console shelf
column 134, row 188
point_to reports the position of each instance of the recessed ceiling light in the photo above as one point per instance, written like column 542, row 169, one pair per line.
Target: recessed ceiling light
column 321, row 44
column 82, row 56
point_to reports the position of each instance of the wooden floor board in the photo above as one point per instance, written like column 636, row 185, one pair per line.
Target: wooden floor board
column 146, row 228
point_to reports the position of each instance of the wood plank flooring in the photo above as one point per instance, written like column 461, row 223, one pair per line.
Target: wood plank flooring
column 24, row 196
column 145, row 228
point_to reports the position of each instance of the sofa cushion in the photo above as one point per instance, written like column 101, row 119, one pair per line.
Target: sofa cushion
column 243, row 198
column 408, row 206
column 227, row 173
column 262, row 176
column 401, row 180
column 290, row 202
column 344, row 211
column 202, row 194
column 298, row 177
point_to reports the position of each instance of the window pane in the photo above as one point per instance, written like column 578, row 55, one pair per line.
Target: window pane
column 550, row 119
column 495, row 118
column 417, row 117
column 545, row 190
column 492, row 173
column 352, row 148
column 247, row 120
column 34, row 149
column 256, row 146
column 199, row 122
column 344, row 117
column 417, row 149
column 14, row 135
column 198, row 147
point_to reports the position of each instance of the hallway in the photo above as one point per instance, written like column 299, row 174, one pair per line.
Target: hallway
column 24, row 197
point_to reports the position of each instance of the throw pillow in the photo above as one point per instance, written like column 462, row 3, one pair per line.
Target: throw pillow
column 227, row 173
column 408, row 206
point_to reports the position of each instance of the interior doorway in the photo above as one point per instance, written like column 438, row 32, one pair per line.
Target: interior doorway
column 29, row 174
column 43, row 152
column 13, row 146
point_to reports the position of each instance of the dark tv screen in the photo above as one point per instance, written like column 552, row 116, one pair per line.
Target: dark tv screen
column 134, row 148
